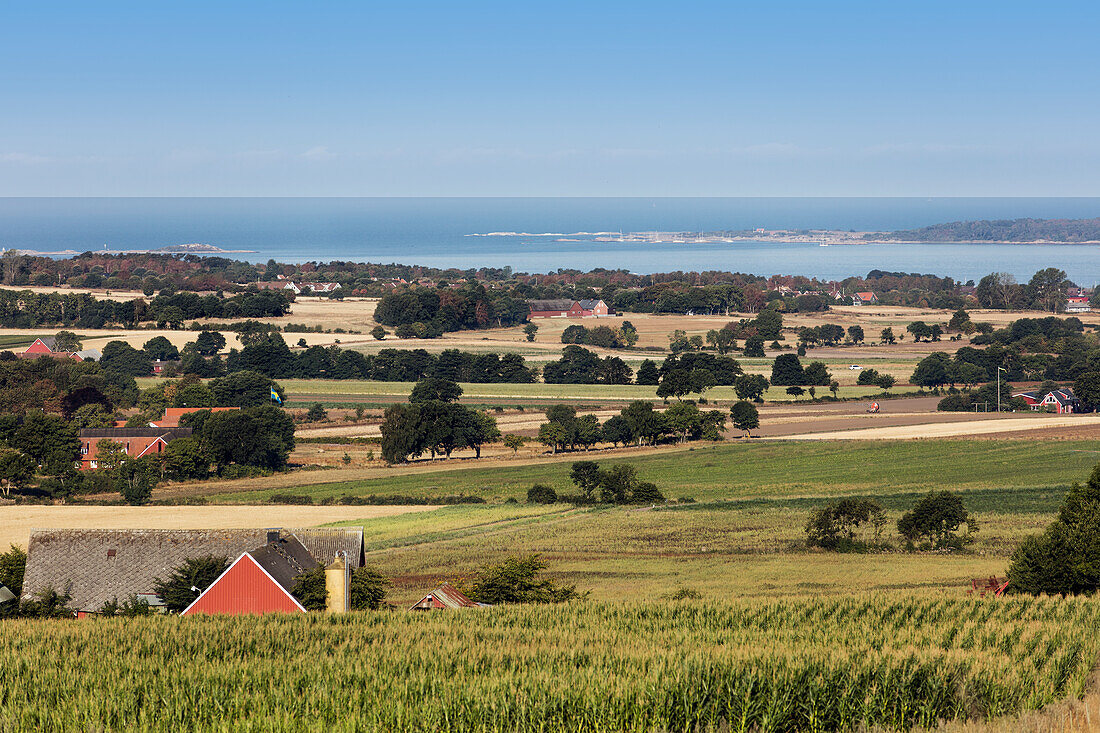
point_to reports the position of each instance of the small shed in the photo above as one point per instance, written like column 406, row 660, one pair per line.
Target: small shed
column 444, row 597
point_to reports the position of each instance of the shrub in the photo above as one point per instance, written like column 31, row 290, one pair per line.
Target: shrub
column 290, row 499
column 516, row 580
column 310, row 590
column 541, row 494
column 935, row 519
column 367, row 590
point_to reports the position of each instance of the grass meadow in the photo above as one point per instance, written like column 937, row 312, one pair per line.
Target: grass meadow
column 805, row 664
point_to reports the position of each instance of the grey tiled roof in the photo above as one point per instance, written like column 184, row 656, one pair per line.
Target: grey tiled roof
column 95, row 566
column 550, row 305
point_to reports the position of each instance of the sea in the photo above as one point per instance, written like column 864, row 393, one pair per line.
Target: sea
column 459, row 232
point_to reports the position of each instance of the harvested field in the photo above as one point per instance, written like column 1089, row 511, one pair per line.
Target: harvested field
column 949, row 429
column 16, row 522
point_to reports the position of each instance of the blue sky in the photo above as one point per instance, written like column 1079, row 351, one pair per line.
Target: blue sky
column 551, row 99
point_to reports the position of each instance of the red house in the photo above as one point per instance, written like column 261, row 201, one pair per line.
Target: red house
column 1061, row 401
column 568, row 308
column 137, row 442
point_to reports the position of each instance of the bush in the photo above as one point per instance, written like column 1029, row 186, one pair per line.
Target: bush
column 935, row 519
column 310, row 589
column 317, row 413
column 367, row 590
column 517, row 580
column 541, row 494
column 290, row 499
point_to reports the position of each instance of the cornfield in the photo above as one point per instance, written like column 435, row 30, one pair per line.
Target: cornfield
column 783, row 665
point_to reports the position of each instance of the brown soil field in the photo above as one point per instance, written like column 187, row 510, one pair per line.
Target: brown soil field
column 16, row 522
column 966, row 427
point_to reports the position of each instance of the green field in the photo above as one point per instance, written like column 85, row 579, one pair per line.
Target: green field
column 744, row 470
column 802, row 664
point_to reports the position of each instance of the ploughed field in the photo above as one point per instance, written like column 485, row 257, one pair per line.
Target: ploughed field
column 797, row 664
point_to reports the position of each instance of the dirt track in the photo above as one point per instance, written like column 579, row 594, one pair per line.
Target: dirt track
column 16, row 522
column 951, row 429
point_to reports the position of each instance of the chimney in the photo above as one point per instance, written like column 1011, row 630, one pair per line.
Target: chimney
column 272, row 536
column 336, row 585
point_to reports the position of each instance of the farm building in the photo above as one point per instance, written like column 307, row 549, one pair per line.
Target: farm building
column 172, row 415
column 137, row 442
column 1078, row 304
column 1058, row 400
column 446, row 596
column 564, row 308
column 47, row 346
column 97, row 566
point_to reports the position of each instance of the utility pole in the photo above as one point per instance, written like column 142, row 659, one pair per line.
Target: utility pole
column 999, row 370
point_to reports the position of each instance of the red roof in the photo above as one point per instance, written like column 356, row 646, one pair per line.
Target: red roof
column 243, row 589
column 443, row 597
column 172, row 415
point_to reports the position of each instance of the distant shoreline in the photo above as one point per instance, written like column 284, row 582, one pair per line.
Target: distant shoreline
column 818, row 237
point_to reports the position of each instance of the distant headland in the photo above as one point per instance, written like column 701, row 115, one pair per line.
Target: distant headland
column 1002, row 231
column 192, row 249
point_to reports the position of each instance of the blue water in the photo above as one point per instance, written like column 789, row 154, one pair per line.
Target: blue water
column 435, row 232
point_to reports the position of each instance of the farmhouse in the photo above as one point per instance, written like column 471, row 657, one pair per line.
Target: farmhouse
column 563, row 308
column 864, row 298
column 1058, row 400
column 297, row 288
column 47, row 346
column 137, row 442
column 1077, row 304
column 443, row 598
column 97, row 566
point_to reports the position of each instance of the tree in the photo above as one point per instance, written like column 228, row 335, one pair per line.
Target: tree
column 109, row 455
column 517, row 580
column 751, row 387
column 648, row 373
column 209, row 343
column 855, row 333
column 722, row 340
column 787, row 370
column 245, row 388
column 586, row 476
column 960, row 321
column 184, row 459
column 13, row 565
column 745, row 416
column 121, row 357
column 932, row 371
column 92, row 415
column 159, row 348
column 402, row 433
column 920, row 330
column 574, row 334
column 887, row 336
column 136, row 478
column 255, row 436
column 834, row 387
column 68, row 341
column 935, row 518
column 554, row 435
column 188, row 580
column 16, row 469
column 49, row 440
column 1087, row 389
column 515, row 442
column 769, row 323
column 754, row 347
column 645, row 424
column 885, row 381
column 615, row 431
column 1065, row 558
column 795, row 391
column 1048, row 289
column 628, row 333
column 529, row 331
column 833, row 527
column 367, row 589
column 479, row 428
column 816, row 374
column 378, row 332
column 316, row 413
column 680, row 382
column 868, row 377
column 541, row 494
column 310, row 589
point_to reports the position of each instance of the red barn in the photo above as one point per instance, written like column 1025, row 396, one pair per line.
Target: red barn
column 43, row 345
column 246, row 587
column 445, row 597
column 554, row 308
